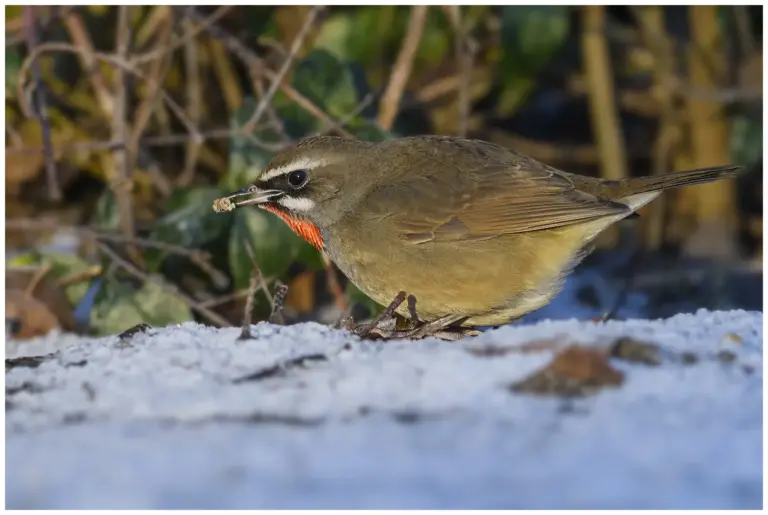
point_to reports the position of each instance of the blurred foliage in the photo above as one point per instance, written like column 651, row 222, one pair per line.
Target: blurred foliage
column 524, row 59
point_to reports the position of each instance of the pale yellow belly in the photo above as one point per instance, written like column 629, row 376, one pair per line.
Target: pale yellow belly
column 491, row 281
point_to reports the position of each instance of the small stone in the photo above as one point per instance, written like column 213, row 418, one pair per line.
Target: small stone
column 688, row 358
column 635, row 351
column 726, row 356
column 126, row 336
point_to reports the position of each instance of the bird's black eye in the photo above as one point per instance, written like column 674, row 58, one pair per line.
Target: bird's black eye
column 297, row 178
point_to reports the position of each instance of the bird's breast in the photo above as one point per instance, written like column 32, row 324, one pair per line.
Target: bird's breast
column 300, row 226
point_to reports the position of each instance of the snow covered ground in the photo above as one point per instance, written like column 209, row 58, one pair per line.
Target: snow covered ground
column 306, row 416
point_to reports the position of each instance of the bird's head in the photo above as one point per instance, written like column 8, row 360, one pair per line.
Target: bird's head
column 311, row 185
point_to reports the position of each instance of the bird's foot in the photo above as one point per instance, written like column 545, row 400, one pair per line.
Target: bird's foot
column 447, row 327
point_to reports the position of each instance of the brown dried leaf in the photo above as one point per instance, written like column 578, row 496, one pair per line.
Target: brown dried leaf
column 574, row 372
column 26, row 317
column 46, row 292
column 301, row 293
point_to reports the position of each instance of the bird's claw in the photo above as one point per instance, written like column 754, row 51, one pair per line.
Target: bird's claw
column 445, row 328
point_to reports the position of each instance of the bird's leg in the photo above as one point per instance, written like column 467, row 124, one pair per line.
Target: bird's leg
column 385, row 315
column 412, row 310
column 447, row 327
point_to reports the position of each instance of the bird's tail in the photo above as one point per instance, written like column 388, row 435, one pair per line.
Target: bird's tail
column 676, row 180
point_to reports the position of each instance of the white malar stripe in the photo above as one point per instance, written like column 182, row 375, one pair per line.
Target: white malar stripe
column 301, row 205
column 303, row 163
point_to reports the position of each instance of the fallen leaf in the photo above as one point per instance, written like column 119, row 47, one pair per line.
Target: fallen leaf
column 574, row 372
column 26, row 317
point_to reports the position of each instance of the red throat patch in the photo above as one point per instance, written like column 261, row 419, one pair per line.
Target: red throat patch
column 303, row 228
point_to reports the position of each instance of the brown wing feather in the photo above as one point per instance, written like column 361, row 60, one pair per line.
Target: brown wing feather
column 461, row 205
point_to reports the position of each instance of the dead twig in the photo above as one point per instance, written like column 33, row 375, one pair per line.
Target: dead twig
column 278, row 78
column 255, row 67
column 52, row 181
column 651, row 23
column 153, row 141
column 88, row 60
column 390, row 103
column 194, row 98
column 189, row 35
column 122, row 185
column 276, row 317
column 364, row 103
column 155, row 76
column 36, row 279
column 217, row 301
column 263, row 282
column 95, row 56
column 77, row 277
column 144, row 277
column 253, row 284
column 605, row 121
column 743, row 29
column 465, row 48
column 199, row 258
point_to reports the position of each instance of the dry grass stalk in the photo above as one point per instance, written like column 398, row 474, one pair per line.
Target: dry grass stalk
column 390, row 102
column 605, row 118
column 52, row 181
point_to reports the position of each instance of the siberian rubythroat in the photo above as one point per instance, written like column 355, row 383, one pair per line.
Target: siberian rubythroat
column 476, row 232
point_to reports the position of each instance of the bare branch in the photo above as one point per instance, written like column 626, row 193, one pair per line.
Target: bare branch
column 121, row 183
column 390, row 103
column 605, row 121
column 144, row 277
column 52, row 180
column 189, row 35
column 280, row 75
column 108, row 58
column 256, row 68
column 200, row 258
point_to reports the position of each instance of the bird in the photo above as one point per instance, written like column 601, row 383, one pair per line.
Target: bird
column 478, row 234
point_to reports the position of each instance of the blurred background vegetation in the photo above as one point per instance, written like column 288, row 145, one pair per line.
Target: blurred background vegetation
column 124, row 123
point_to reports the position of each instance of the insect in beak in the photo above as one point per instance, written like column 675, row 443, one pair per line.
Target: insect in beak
column 256, row 196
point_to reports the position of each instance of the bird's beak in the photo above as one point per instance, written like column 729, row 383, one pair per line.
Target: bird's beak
column 252, row 195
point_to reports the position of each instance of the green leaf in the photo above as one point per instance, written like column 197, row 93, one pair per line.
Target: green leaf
column 275, row 246
column 327, row 82
column 747, row 140
column 106, row 215
column 120, row 307
column 531, row 35
column 246, row 158
column 372, row 36
column 63, row 265
column 368, row 130
column 12, row 66
column 191, row 221
column 362, row 35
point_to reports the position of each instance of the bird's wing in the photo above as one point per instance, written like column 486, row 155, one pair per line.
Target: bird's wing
column 485, row 203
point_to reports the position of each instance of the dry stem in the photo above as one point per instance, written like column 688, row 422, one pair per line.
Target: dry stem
column 144, row 277
column 280, row 75
column 605, row 119
column 390, row 103
column 52, row 181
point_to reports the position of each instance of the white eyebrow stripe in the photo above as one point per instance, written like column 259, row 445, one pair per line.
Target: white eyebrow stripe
column 301, row 204
column 303, row 163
